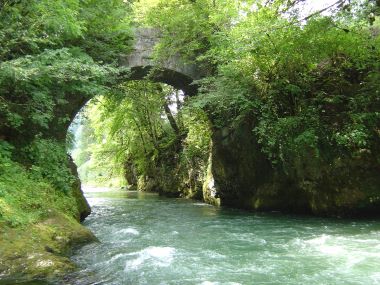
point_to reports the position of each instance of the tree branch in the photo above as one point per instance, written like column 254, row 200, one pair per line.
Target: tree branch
column 339, row 2
column 171, row 119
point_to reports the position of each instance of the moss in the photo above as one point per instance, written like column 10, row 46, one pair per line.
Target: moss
column 25, row 200
column 38, row 224
column 40, row 250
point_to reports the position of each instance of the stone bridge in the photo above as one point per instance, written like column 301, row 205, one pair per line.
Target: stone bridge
column 173, row 71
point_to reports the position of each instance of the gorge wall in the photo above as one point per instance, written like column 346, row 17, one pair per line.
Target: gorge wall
column 239, row 175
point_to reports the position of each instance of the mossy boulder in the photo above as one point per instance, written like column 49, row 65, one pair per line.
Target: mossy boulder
column 39, row 225
column 40, row 250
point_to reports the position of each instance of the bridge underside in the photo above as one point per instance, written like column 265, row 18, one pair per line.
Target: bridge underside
column 170, row 77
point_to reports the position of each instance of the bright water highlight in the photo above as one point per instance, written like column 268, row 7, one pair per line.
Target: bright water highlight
column 145, row 239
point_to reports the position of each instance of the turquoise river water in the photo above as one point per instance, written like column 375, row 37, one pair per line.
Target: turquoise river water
column 146, row 239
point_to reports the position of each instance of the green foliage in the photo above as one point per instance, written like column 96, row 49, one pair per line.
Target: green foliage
column 197, row 142
column 309, row 87
column 125, row 124
column 94, row 151
column 107, row 29
column 130, row 130
column 32, row 86
column 184, row 25
column 49, row 162
column 53, row 50
column 50, row 52
column 97, row 26
column 25, row 198
column 29, row 27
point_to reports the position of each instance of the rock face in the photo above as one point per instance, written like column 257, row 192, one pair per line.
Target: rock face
column 240, row 176
column 210, row 192
column 83, row 207
column 237, row 165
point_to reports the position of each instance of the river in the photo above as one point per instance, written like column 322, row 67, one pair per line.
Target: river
column 146, row 239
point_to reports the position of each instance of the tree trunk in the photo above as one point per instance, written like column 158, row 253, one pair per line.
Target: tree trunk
column 171, row 119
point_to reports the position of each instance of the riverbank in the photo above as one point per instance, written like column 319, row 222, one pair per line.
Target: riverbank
column 39, row 225
column 41, row 250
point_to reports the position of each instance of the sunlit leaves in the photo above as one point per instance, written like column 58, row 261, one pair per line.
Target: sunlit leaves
column 35, row 84
column 30, row 26
column 184, row 24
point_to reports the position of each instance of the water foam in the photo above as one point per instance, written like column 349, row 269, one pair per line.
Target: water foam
column 326, row 245
column 319, row 240
column 129, row 231
column 213, row 254
column 159, row 256
column 217, row 283
column 202, row 204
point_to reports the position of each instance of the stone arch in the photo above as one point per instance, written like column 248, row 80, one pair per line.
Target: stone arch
column 171, row 77
column 173, row 71
column 140, row 62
